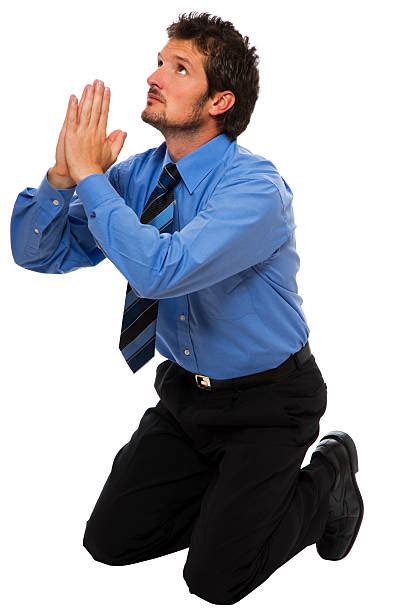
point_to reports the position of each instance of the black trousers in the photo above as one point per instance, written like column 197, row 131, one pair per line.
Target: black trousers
column 219, row 472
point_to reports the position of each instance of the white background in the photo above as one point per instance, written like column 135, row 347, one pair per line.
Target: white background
column 330, row 116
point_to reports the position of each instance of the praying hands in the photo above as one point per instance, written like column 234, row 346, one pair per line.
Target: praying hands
column 83, row 141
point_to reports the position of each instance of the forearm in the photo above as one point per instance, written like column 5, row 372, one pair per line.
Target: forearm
column 47, row 235
column 227, row 237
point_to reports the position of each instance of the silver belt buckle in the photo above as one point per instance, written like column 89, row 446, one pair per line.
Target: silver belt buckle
column 203, row 382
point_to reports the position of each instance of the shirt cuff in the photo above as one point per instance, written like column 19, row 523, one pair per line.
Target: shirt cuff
column 94, row 190
column 47, row 191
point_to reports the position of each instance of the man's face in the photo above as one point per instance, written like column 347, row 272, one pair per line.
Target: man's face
column 180, row 86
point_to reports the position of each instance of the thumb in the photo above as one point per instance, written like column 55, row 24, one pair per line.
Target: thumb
column 116, row 140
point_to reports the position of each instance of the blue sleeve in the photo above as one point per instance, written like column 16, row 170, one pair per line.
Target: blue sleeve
column 244, row 223
column 49, row 231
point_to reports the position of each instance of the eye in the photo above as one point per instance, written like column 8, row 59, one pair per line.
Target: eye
column 179, row 65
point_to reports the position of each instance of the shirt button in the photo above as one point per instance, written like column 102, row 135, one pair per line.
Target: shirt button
column 187, row 352
column 36, row 230
column 92, row 214
column 182, row 317
column 56, row 202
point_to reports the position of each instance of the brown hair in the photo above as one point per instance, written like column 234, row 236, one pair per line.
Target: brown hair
column 230, row 64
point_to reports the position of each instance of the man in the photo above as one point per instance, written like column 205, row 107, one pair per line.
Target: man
column 203, row 230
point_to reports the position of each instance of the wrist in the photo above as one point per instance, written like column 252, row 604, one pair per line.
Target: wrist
column 82, row 174
column 59, row 180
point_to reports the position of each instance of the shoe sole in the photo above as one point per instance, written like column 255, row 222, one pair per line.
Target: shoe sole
column 351, row 449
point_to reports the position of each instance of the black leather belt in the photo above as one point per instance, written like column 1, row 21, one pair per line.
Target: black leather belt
column 293, row 362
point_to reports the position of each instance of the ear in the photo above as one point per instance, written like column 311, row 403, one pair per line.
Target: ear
column 222, row 102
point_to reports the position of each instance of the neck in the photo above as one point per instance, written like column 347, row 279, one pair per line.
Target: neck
column 179, row 145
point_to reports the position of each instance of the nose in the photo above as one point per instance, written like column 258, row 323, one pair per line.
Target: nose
column 155, row 79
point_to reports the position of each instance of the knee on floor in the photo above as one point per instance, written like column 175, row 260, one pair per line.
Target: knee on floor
column 101, row 546
column 209, row 585
column 108, row 542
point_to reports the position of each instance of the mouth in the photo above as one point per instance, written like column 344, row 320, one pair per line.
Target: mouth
column 153, row 98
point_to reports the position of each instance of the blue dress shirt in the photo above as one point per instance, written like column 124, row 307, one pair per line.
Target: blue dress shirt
column 226, row 277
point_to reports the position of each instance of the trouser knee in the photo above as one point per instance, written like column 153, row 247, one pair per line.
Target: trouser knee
column 208, row 584
column 99, row 544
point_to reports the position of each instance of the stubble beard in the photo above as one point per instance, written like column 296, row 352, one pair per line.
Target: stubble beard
column 192, row 124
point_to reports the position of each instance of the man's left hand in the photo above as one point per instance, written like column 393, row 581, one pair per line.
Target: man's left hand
column 87, row 149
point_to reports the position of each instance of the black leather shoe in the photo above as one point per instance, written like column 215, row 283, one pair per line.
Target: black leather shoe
column 346, row 507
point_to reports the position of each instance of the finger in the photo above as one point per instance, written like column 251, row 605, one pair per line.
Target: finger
column 65, row 121
column 72, row 116
column 82, row 99
column 117, row 139
column 104, row 110
column 87, row 105
column 113, row 135
column 97, row 104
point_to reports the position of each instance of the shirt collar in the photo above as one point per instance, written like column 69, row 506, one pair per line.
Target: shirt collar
column 195, row 166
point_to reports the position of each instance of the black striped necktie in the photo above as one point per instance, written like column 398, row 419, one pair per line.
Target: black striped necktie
column 138, row 329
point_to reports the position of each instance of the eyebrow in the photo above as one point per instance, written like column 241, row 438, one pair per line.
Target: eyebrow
column 182, row 59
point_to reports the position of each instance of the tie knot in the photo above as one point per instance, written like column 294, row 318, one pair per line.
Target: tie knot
column 169, row 176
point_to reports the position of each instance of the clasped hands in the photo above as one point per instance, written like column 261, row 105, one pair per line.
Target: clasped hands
column 87, row 148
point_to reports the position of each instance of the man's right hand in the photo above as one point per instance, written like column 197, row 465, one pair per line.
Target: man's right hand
column 58, row 175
